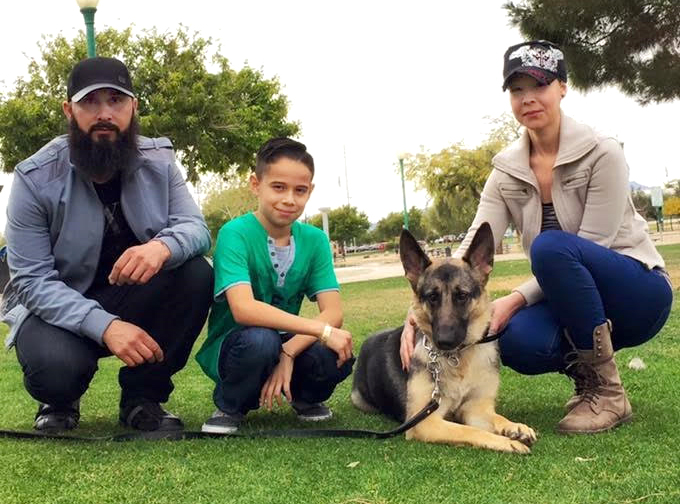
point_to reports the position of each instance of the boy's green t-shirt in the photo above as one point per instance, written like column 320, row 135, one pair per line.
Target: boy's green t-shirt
column 243, row 256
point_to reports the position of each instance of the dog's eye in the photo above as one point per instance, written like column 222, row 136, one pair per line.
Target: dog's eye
column 432, row 297
column 462, row 296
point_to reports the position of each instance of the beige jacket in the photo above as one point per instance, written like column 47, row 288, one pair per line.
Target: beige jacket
column 590, row 193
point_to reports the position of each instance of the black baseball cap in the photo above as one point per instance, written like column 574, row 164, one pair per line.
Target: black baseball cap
column 97, row 73
column 540, row 59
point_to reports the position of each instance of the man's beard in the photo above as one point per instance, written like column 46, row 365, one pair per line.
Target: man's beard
column 103, row 158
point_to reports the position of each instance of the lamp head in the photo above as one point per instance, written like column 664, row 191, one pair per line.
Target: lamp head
column 87, row 4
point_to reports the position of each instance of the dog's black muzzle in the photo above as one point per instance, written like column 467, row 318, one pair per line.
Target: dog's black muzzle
column 447, row 337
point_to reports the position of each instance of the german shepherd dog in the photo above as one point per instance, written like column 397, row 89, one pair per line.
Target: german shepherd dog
column 452, row 310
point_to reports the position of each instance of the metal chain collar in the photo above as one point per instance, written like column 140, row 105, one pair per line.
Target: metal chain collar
column 434, row 365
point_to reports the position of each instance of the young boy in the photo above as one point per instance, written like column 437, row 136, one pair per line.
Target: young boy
column 265, row 262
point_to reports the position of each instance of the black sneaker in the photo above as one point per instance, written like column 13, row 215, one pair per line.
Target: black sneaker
column 311, row 412
column 53, row 418
column 149, row 416
column 222, row 423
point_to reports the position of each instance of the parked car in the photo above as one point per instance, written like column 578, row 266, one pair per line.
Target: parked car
column 445, row 239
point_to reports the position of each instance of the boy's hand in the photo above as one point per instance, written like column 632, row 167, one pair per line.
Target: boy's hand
column 278, row 381
column 340, row 341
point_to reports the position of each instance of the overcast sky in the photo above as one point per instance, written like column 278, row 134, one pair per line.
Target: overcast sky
column 367, row 78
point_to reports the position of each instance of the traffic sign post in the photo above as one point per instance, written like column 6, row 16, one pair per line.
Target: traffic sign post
column 657, row 203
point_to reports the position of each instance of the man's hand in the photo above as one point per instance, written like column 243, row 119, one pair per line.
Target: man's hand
column 503, row 310
column 408, row 339
column 139, row 263
column 340, row 341
column 278, row 382
column 131, row 344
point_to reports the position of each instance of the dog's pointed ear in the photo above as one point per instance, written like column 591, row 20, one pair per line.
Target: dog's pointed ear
column 414, row 260
column 480, row 253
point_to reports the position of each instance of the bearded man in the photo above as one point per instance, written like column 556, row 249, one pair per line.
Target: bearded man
column 105, row 249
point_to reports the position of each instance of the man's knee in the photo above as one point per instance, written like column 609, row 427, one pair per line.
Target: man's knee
column 58, row 379
column 195, row 279
column 57, row 365
column 173, row 304
column 190, row 284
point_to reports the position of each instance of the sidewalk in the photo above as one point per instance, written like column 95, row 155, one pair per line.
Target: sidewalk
column 382, row 267
column 376, row 270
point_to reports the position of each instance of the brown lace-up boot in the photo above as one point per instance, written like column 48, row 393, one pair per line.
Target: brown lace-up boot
column 579, row 386
column 600, row 403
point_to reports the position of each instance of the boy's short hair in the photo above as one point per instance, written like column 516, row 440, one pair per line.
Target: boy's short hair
column 276, row 148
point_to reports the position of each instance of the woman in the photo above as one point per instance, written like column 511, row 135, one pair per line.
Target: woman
column 599, row 284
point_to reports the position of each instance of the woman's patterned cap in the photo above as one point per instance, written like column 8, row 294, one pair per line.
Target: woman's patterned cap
column 540, row 59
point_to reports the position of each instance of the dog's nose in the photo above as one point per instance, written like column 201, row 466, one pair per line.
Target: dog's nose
column 448, row 337
column 447, row 345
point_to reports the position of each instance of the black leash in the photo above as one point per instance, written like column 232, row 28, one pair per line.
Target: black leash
column 488, row 338
column 185, row 435
column 430, row 408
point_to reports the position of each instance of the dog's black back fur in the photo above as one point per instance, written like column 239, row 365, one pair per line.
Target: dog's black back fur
column 378, row 375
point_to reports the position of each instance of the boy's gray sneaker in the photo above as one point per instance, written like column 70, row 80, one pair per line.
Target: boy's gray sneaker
column 311, row 412
column 222, row 423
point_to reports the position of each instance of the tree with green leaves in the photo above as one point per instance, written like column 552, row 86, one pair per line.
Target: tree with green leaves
column 632, row 44
column 643, row 204
column 224, row 204
column 389, row 228
column 444, row 219
column 454, row 177
column 216, row 117
column 344, row 224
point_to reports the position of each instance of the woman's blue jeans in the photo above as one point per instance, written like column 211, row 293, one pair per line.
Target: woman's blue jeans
column 248, row 357
column 584, row 285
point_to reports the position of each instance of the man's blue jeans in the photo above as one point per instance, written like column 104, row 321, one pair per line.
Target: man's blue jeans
column 248, row 357
column 584, row 285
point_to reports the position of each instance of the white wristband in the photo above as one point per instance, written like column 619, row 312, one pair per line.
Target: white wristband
column 325, row 334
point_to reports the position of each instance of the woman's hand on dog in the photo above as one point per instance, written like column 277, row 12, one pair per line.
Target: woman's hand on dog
column 278, row 383
column 408, row 338
column 503, row 309
column 340, row 341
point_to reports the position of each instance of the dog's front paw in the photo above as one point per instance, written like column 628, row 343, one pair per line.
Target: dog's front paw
column 519, row 432
column 512, row 446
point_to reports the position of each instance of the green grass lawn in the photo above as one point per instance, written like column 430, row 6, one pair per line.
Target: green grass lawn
column 638, row 462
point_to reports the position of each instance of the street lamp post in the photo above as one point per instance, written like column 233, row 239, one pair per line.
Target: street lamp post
column 88, row 8
column 324, row 222
column 402, row 155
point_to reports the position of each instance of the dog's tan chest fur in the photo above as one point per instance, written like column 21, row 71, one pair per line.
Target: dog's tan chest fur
column 456, row 383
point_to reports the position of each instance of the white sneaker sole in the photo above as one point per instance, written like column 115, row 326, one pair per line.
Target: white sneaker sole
column 217, row 429
column 315, row 418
